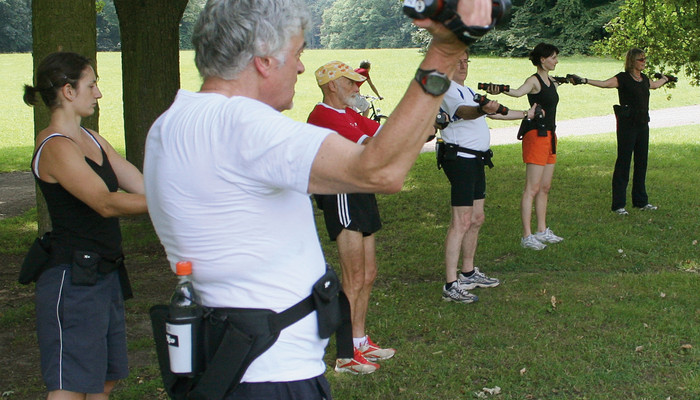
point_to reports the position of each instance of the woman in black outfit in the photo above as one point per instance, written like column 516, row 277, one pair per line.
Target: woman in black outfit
column 632, row 130
column 80, row 297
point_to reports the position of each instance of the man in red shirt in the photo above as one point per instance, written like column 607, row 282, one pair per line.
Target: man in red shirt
column 351, row 218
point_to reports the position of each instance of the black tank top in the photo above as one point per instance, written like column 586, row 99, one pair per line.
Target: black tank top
column 548, row 98
column 76, row 226
column 635, row 95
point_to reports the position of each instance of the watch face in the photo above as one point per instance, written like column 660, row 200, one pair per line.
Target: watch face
column 435, row 83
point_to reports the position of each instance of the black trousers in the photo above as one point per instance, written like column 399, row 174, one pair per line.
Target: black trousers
column 632, row 138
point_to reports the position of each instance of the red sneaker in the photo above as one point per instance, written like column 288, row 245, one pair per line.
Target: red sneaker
column 372, row 352
column 356, row 365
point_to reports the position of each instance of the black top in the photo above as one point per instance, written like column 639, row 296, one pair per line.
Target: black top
column 635, row 95
column 548, row 98
column 76, row 226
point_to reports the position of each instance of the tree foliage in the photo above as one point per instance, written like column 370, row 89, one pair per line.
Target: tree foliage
column 15, row 26
column 108, row 37
column 669, row 31
column 316, row 8
column 361, row 24
column 571, row 25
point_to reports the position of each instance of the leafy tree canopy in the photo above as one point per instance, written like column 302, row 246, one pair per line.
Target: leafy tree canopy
column 365, row 24
column 15, row 26
column 668, row 30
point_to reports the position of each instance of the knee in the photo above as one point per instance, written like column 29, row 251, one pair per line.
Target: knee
column 478, row 221
column 370, row 275
column 545, row 188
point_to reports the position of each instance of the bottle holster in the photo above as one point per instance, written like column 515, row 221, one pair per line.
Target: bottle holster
column 232, row 338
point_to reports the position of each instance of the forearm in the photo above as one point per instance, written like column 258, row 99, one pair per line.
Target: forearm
column 121, row 204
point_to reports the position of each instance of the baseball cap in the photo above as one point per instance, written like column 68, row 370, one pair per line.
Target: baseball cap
column 334, row 70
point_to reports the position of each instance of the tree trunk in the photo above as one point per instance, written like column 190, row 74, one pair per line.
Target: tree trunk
column 150, row 65
column 61, row 25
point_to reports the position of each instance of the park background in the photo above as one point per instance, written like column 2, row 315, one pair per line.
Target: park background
column 611, row 313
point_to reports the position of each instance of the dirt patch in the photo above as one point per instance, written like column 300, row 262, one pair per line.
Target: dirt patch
column 17, row 194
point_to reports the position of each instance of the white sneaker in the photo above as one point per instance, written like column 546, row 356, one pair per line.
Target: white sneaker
column 621, row 211
column 548, row 237
column 649, row 207
column 531, row 242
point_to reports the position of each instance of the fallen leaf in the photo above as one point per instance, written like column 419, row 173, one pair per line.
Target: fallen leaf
column 620, row 251
column 553, row 300
column 639, row 349
column 686, row 346
column 495, row 390
column 662, row 294
column 695, row 242
column 523, row 371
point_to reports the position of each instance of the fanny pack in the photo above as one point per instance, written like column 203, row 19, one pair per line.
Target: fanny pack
column 448, row 152
column 232, row 338
column 37, row 260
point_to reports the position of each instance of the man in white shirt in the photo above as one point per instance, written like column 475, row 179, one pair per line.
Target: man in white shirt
column 465, row 151
column 228, row 176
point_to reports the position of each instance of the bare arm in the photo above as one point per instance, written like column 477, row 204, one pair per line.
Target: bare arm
column 531, row 85
column 659, row 82
column 607, row 84
column 516, row 114
column 374, row 89
column 381, row 166
column 63, row 162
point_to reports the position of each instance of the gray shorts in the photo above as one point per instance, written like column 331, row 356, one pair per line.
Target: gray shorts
column 81, row 331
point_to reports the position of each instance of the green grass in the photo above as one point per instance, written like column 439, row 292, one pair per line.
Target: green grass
column 392, row 70
column 606, row 315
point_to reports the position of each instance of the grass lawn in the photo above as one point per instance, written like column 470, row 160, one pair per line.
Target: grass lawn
column 392, row 70
column 611, row 313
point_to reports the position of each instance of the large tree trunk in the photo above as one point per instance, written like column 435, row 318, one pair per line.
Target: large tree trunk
column 61, row 25
column 150, row 65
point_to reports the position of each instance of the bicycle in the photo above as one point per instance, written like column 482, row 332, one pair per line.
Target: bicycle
column 375, row 114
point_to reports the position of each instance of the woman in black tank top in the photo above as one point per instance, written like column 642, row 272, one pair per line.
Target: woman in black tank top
column 632, row 130
column 83, row 348
column 539, row 150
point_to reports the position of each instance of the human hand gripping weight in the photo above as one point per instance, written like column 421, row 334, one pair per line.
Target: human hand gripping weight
column 445, row 12
column 670, row 78
column 483, row 100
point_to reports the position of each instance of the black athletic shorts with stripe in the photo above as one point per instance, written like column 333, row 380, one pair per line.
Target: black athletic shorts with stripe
column 352, row 211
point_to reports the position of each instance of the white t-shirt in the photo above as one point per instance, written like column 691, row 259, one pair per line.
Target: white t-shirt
column 468, row 133
column 226, row 185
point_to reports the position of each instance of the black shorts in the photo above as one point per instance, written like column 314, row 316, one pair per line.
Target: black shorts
column 352, row 211
column 316, row 388
column 468, row 180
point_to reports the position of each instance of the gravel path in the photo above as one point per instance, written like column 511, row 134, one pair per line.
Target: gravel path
column 17, row 193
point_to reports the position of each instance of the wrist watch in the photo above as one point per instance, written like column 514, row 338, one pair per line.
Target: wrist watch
column 433, row 82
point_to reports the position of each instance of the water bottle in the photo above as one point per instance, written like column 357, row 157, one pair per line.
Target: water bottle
column 182, row 326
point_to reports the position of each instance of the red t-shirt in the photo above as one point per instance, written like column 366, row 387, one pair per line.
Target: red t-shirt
column 348, row 123
column 364, row 72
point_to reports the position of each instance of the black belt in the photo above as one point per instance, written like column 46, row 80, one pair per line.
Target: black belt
column 485, row 156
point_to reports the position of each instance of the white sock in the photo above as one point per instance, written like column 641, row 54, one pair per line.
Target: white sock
column 358, row 342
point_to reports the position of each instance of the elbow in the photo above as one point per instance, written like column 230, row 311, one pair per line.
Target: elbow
column 387, row 182
column 106, row 211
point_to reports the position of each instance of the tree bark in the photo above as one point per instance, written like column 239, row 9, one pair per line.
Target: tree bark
column 150, row 65
column 61, row 25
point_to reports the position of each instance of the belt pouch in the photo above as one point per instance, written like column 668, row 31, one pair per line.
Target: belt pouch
column 232, row 343
column 36, row 260
column 450, row 152
column 325, row 294
column 84, row 268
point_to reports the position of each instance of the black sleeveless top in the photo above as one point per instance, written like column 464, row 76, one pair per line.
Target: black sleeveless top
column 76, row 226
column 635, row 95
column 548, row 98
